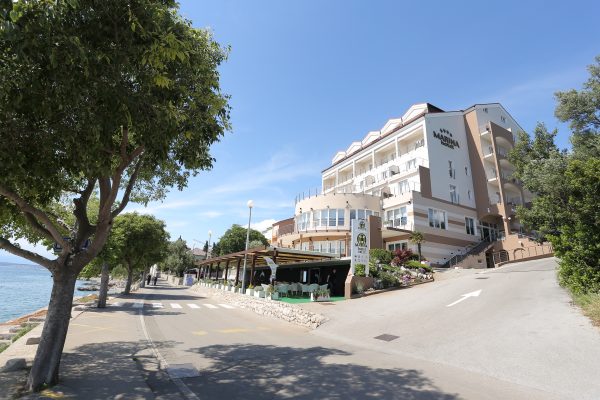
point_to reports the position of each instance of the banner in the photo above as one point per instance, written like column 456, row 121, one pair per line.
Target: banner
column 360, row 244
column 273, row 267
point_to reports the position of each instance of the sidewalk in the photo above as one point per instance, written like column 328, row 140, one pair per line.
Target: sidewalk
column 107, row 356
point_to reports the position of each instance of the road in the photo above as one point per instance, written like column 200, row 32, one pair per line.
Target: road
column 518, row 339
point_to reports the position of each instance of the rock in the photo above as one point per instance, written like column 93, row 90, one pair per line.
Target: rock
column 14, row 364
column 33, row 340
column 14, row 329
column 7, row 342
column 6, row 336
column 38, row 320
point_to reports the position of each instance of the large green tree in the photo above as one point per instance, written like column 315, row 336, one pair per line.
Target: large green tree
column 138, row 242
column 234, row 240
column 566, row 209
column 179, row 257
column 118, row 96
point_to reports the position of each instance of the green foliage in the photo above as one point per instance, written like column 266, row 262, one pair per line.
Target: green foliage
column 402, row 256
column 590, row 304
column 412, row 264
column 234, row 240
column 179, row 257
column 119, row 96
column 566, row 209
column 359, row 269
column 138, row 241
column 388, row 279
column 381, row 256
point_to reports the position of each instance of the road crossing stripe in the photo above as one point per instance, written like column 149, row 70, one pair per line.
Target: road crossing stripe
column 193, row 306
column 138, row 305
column 116, row 304
column 212, row 306
column 175, row 305
column 157, row 305
column 226, row 306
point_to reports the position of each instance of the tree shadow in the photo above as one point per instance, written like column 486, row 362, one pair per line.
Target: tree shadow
column 270, row 372
column 106, row 370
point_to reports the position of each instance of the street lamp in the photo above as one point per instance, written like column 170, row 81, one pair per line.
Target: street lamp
column 208, row 247
column 250, row 205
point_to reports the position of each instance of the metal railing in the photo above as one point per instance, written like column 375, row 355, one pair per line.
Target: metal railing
column 478, row 248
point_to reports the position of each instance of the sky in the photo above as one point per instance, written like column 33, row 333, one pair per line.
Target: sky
column 306, row 78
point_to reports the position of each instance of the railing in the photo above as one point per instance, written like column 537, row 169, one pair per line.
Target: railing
column 478, row 248
column 395, row 223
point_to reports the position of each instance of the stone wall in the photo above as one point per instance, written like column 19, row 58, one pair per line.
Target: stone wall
column 276, row 309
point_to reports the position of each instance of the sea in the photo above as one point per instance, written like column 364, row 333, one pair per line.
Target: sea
column 25, row 288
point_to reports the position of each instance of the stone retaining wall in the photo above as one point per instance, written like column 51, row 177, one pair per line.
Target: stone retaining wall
column 276, row 309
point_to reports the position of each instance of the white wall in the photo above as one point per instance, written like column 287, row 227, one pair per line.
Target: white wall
column 439, row 155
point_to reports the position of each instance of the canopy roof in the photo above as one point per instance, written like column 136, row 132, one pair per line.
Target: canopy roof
column 280, row 255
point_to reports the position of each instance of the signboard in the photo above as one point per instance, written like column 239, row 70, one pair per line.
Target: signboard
column 359, row 251
column 273, row 267
column 445, row 138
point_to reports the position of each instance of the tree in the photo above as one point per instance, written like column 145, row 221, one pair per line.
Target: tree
column 567, row 185
column 234, row 240
column 417, row 238
column 139, row 241
column 179, row 257
column 116, row 96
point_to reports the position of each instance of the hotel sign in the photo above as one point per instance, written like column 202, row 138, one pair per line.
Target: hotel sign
column 359, row 252
column 445, row 138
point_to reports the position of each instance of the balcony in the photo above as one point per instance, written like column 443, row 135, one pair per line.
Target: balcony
column 400, row 223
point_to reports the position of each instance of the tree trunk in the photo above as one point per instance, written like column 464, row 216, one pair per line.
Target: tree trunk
column 103, row 294
column 129, row 279
column 47, row 358
column 419, row 247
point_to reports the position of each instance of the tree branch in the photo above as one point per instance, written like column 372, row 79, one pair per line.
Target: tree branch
column 39, row 214
column 127, row 194
column 29, row 255
column 124, row 142
column 31, row 220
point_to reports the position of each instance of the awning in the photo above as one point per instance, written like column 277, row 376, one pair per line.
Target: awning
column 280, row 255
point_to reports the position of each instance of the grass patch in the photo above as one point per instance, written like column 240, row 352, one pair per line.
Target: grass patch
column 3, row 347
column 88, row 299
column 590, row 304
column 22, row 332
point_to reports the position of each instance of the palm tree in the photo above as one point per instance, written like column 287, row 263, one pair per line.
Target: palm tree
column 417, row 238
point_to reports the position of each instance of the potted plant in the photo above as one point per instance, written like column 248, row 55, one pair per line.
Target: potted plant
column 238, row 287
column 271, row 293
column 320, row 295
column 250, row 290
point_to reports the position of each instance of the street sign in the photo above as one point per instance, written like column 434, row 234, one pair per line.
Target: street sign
column 360, row 244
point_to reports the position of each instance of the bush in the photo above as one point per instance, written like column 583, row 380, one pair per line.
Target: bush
column 416, row 265
column 388, row 279
column 384, row 256
column 359, row 270
column 401, row 256
column 580, row 279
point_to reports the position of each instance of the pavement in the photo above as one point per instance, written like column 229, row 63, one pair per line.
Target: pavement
column 518, row 339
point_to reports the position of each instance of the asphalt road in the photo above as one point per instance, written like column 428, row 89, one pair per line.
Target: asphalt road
column 519, row 339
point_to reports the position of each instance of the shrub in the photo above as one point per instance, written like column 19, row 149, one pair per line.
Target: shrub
column 401, row 256
column 388, row 279
column 359, row 270
column 580, row 279
column 382, row 255
column 416, row 265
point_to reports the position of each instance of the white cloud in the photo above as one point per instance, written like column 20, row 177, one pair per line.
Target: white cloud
column 263, row 225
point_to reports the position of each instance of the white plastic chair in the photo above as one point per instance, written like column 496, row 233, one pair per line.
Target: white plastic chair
column 282, row 289
column 313, row 287
column 305, row 289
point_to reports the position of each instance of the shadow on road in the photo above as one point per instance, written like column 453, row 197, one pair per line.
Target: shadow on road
column 268, row 372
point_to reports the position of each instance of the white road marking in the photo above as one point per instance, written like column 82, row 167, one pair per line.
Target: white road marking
column 118, row 304
column 138, row 305
column 211, row 306
column 175, row 305
column 157, row 305
column 193, row 306
column 227, row 306
column 466, row 296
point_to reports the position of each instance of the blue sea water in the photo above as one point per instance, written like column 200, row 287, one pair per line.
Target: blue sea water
column 25, row 289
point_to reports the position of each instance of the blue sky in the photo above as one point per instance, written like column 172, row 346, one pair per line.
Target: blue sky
column 306, row 78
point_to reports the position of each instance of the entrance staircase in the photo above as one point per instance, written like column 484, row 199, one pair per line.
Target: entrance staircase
column 479, row 248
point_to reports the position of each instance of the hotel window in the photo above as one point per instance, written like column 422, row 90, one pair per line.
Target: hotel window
column 453, row 195
column 396, row 217
column 403, row 186
column 410, row 164
column 352, row 214
column 323, row 221
column 315, row 218
column 451, row 170
column 396, row 246
column 360, row 214
column 340, row 217
column 437, row 218
column 470, row 226
column 419, row 143
column 332, row 216
column 469, row 194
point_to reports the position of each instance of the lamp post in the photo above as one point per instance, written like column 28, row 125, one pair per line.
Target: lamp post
column 250, row 205
column 208, row 247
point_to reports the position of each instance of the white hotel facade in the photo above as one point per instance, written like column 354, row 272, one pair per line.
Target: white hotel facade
column 442, row 173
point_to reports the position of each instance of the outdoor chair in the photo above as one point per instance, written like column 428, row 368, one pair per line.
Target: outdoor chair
column 324, row 287
column 313, row 287
column 305, row 289
column 295, row 288
column 282, row 289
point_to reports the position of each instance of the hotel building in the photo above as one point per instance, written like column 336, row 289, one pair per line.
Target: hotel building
column 442, row 173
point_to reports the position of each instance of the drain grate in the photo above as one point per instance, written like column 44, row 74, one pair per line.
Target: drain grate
column 386, row 337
